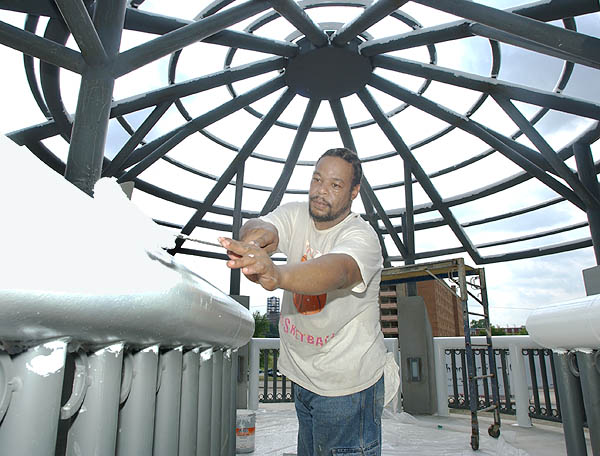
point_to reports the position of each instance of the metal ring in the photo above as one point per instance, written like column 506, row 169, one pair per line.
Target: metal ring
column 6, row 385
column 572, row 363
column 81, row 382
column 127, row 375
column 596, row 360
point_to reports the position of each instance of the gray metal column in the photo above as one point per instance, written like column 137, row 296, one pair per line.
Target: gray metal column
column 241, row 359
column 226, row 405
column 587, row 174
column 233, row 406
column 571, row 405
column 188, row 418
column 217, row 393
column 205, row 402
column 168, row 403
column 94, row 428
column 589, row 376
column 136, row 417
column 33, row 386
column 88, row 138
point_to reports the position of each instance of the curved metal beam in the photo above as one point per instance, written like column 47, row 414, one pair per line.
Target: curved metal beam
column 299, row 140
column 370, row 16
column 42, row 48
column 257, row 135
column 477, row 130
column 543, row 98
column 523, row 31
column 403, row 150
column 202, row 121
column 296, row 16
column 166, row 44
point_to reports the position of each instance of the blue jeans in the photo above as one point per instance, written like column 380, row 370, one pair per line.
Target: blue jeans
column 343, row 425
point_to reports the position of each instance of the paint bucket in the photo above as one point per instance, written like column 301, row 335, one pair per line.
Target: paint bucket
column 244, row 431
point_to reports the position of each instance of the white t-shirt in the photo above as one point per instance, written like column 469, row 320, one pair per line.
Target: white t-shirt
column 331, row 344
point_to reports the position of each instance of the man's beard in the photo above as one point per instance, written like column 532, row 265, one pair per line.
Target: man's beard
column 330, row 216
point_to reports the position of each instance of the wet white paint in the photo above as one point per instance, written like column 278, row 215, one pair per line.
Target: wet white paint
column 46, row 365
column 114, row 349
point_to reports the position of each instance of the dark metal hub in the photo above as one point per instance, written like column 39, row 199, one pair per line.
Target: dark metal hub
column 329, row 72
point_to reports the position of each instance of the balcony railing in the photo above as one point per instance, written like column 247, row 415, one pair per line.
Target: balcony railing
column 121, row 375
column 526, row 376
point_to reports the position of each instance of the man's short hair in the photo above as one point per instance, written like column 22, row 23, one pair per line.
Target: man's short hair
column 349, row 156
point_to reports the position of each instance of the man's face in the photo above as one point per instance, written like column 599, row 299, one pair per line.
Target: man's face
column 331, row 193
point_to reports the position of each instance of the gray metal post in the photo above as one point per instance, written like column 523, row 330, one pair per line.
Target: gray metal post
column 226, row 404
column 217, row 393
column 589, row 376
column 587, row 174
column 571, row 405
column 188, row 418
column 233, row 406
column 31, row 421
column 204, row 403
column 241, row 358
column 136, row 417
column 84, row 163
column 408, row 226
column 94, row 428
column 168, row 403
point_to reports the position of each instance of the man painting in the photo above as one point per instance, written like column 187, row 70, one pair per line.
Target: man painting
column 331, row 340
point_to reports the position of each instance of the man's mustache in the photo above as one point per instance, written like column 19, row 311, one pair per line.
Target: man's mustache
column 319, row 200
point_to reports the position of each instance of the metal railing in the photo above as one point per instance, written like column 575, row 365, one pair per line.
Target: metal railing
column 526, row 377
column 270, row 385
column 160, row 379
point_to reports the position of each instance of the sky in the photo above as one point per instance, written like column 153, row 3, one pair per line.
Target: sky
column 514, row 288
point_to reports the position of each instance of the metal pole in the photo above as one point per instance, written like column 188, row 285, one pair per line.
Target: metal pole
column 204, row 402
column 234, row 281
column 587, row 174
column 233, row 407
column 217, row 392
column 168, row 403
column 88, row 138
column 33, row 380
column 253, row 382
column 571, row 404
column 518, row 377
column 136, row 417
column 188, row 419
column 589, row 376
column 226, row 405
column 94, row 429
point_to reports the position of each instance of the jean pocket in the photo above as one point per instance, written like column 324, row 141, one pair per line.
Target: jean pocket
column 373, row 449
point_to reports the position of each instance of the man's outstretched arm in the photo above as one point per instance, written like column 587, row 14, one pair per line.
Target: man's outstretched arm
column 323, row 274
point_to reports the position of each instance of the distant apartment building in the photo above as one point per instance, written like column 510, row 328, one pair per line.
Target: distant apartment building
column 444, row 310
column 273, row 310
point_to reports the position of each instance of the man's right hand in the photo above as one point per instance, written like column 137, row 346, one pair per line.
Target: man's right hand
column 254, row 262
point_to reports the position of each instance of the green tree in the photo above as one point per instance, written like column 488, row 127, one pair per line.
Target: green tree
column 523, row 331
column 261, row 324
column 273, row 330
column 496, row 331
column 480, row 326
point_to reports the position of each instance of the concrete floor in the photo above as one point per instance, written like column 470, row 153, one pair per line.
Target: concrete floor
column 403, row 434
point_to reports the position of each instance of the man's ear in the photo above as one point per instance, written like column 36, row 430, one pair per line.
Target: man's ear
column 355, row 191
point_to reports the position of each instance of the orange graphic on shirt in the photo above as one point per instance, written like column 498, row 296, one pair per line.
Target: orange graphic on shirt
column 309, row 304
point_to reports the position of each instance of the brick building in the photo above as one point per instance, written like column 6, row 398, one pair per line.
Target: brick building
column 443, row 308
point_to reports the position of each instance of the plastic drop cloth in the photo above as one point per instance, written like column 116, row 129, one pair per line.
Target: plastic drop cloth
column 403, row 434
